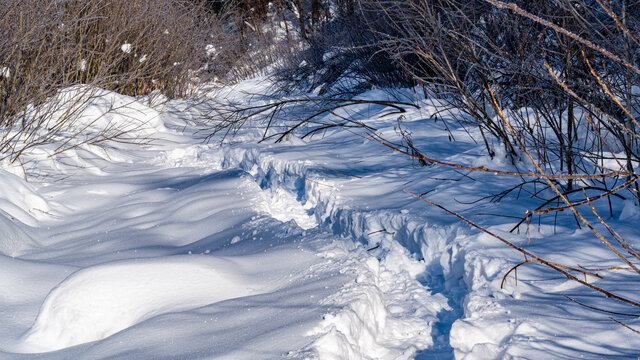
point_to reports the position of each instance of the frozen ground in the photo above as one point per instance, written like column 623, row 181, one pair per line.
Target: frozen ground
column 304, row 249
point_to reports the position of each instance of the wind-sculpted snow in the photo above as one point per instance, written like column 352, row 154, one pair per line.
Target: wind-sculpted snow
column 303, row 249
column 19, row 199
column 15, row 238
column 237, row 242
column 99, row 301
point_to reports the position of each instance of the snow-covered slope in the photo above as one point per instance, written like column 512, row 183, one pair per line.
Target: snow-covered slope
column 303, row 249
column 175, row 250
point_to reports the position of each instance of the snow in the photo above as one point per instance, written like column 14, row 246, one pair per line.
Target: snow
column 102, row 109
column 101, row 300
column 630, row 211
column 19, row 200
column 305, row 249
column 374, row 325
column 15, row 237
column 211, row 50
column 126, row 48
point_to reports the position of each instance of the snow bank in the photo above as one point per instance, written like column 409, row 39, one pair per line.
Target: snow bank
column 82, row 116
column 92, row 109
column 99, row 301
column 14, row 238
column 20, row 200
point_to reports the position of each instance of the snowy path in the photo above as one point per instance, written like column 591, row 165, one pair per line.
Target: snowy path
column 174, row 250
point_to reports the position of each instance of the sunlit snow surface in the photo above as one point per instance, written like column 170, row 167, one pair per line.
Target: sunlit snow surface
column 307, row 249
column 181, row 249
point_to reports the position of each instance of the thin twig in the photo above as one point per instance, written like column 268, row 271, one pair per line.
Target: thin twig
column 529, row 254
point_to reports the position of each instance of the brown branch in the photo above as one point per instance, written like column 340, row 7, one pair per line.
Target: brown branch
column 540, row 211
column 562, row 30
column 625, row 325
column 612, row 173
column 607, row 91
column 597, row 109
column 621, row 241
column 610, row 268
column 583, row 202
column 527, row 253
column 585, row 272
column 620, row 23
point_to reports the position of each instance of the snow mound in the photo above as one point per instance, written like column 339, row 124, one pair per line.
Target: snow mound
column 282, row 205
column 19, row 200
column 81, row 115
column 98, row 109
column 14, row 239
column 99, row 301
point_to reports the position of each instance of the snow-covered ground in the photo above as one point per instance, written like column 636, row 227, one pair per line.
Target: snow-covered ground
column 303, row 249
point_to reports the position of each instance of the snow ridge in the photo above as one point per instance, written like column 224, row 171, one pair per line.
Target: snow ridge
column 376, row 317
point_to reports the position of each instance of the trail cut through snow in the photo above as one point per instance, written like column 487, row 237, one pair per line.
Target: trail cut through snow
column 300, row 250
column 384, row 314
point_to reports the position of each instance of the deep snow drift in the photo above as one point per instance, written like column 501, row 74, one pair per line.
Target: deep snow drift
column 304, row 249
column 101, row 300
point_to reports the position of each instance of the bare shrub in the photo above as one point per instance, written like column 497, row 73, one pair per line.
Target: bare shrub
column 555, row 82
column 462, row 49
column 131, row 47
column 343, row 54
column 249, row 37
